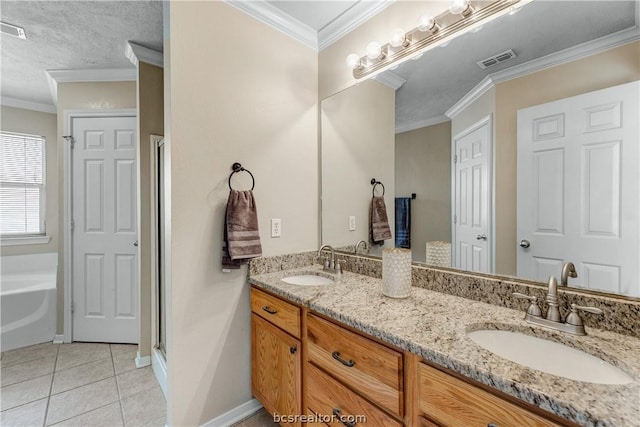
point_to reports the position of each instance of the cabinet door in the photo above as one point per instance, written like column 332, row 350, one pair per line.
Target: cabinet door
column 452, row 402
column 275, row 363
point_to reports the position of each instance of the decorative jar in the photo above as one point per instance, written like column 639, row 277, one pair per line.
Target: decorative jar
column 396, row 272
column 439, row 254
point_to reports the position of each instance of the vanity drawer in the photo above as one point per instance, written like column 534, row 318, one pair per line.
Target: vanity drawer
column 284, row 315
column 372, row 369
column 452, row 402
column 327, row 396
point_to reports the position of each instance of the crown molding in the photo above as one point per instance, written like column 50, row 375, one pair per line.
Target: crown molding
column 8, row 101
column 357, row 15
column 90, row 75
column 552, row 60
column 391, row 79
column 422, row 123
column 275, row 18
column 136, row 53
column 470, row 97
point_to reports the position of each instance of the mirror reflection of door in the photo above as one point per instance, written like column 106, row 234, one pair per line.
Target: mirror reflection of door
column 472, row 192
column 579, row 189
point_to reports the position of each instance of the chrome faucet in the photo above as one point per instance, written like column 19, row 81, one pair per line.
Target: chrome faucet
column 568, row 270
column 552, row 320
column 364, row 244
column 553, row 313
column 330, row 264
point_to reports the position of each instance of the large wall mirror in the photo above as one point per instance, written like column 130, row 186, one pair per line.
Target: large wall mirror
column 520, row 142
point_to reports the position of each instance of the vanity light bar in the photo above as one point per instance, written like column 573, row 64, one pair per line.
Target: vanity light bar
column 447, row 25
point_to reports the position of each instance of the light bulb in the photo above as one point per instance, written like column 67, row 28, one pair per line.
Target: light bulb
column 458, row 7
column 426, row 23
column 397, row 37
column 374, row 50
column 353, row 61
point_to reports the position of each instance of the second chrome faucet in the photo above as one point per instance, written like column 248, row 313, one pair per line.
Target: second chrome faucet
column 573, row 323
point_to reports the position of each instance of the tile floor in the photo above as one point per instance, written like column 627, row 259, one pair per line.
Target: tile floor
column 78, row 384
column 260, row 419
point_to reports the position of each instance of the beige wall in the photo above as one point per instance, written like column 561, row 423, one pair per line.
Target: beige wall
column 31, row 122
column 150, row 102
column 609, row 68
column 423, row 166
column 84, row 96
column 357, row 145
column 240, row 91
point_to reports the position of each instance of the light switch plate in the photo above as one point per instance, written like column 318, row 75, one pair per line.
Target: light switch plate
column 352, row 223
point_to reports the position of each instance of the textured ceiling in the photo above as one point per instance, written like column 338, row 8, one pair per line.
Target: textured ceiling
column 443, row 75
column 313, row 13
column 71, row 35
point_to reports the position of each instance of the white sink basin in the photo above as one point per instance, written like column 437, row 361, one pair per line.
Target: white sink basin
column 308, row 280
column 550, row 357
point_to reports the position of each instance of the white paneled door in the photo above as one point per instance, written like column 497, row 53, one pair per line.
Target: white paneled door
column 472, row 220
column 105, row 271
column 579, row 189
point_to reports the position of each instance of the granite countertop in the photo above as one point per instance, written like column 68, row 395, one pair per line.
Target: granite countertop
column 434, row 326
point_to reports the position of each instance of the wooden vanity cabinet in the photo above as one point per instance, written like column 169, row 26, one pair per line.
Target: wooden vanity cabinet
column 447, row 401
column 343, row 370
column 276, row 361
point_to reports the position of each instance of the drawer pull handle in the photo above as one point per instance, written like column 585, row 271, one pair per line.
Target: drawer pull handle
column 492, row 425
column 349, row 364
column 293, row 349
column 336, row 413
column 269, row 309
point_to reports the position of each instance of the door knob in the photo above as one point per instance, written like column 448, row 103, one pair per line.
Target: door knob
column 525, row 243
column 481, row 237
column 135, row 243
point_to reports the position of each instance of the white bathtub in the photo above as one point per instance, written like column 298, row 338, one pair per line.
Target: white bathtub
column 27, row 299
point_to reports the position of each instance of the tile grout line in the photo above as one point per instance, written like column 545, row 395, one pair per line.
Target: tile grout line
column 53, row 375
column 93, row 382
column 117, row 386
column 82, row 413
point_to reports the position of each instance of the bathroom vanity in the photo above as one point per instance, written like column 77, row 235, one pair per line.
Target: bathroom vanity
column 345, row 350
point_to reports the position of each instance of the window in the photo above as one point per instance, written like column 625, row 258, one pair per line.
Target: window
column 22, row 189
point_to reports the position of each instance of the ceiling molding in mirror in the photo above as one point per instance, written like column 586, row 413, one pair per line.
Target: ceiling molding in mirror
column 136, row 53
column 390, row 79
column 551, row 60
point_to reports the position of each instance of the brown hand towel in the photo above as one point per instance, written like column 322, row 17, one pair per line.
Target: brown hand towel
column 379, row 223
column 241, row 235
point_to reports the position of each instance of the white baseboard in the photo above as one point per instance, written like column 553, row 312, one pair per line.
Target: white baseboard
column 142, row 361
column 238, row 413
column 159, row 367
column 58, row 339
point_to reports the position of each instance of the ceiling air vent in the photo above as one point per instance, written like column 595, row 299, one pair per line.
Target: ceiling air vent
column 496, row 59
column 12, row 30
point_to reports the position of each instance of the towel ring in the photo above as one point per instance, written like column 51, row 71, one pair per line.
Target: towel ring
column 237, row 167
column 375, row 182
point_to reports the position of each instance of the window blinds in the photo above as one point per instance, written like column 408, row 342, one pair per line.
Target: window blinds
column 21, row 184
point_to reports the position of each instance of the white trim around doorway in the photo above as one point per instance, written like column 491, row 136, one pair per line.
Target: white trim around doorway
column 69, row 115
